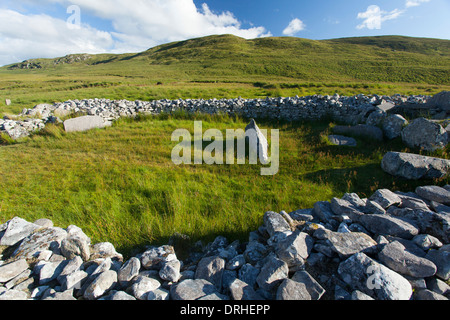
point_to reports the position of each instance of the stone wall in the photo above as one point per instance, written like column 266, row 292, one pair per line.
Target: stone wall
column 347, row 110
column 392, row 246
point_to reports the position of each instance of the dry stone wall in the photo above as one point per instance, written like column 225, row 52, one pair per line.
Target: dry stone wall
column 348, row 110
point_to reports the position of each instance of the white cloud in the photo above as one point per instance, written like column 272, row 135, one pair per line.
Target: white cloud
column 415, row 3
column 137, row 26
column 374, row 17
column 295, row 26
column 34, row 36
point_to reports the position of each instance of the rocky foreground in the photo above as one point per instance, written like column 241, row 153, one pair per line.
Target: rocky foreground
column 392, row 246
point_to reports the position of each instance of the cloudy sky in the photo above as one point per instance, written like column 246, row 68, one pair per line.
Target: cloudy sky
column 54, row 28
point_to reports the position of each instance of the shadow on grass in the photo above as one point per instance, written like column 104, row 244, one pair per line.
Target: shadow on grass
column 365, row 180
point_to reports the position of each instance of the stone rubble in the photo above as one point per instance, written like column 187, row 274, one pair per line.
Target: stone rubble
column 391, row 246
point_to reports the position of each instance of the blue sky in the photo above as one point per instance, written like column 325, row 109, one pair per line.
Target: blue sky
column 53, row 28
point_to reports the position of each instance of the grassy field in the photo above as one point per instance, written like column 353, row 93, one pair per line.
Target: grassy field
column 229, row 67
column 120, row 185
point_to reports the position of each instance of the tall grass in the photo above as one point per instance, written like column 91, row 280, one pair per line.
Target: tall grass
column 120, row 185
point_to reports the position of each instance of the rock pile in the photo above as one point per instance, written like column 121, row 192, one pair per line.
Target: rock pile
column 391, row 246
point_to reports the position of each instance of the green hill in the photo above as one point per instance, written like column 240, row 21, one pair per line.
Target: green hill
column 229, row 66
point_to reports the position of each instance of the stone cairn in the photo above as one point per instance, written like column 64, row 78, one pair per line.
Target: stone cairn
column 391, row 246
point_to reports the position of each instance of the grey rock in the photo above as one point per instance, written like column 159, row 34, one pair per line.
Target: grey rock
column 74, row 280
column 385, row 198
column 388, row 225
column 72, row 266
column 343, row 228
column 16, row 230
column 155, row 257
column 189, row 290
column 74, row 231
column 358, row 295
column 322, row 211
column 441, row 258
column 414, row 167
column 41, row 240
column 347, row 244
column 395, row 256
column 295, row 248
column 85, row 123
column 393, row 126
column 292, row 290
column 214, row 297
column 272, row 274
column 376, row 118
column 45, row 223
column 158, row 295
column 211, row 269
column 240, row 290
column 11, row 270
column 105, row 250
column 314, row 288
column 345, row 208
column 438, row 286
column 142, row 286
column 275, row 222
column 249, row 274
column 18, row 280
column 61, row 296
column 128, row 271
column 235, row 263
column 74, row 246
column 354, row 199
column 119, row 296
column 342, row 141
column 302, row 215
column 412, row 201
column 428, row 295
column 102, row 284
column 13, row 295
column 170, row 271
column 37, row 292
column 360, row 130
column 425, row 134
column 374, row 208
column 434, row 193
column 255, row 251
column 374, row 279
column 50, row 271
column 426, row 241
column 441, row 100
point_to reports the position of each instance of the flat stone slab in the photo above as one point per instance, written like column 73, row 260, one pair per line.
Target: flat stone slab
column 13, row 269
column 342, row 141
column 85, row 123
column 347, row 244
column 414, row 167
column 360, row 130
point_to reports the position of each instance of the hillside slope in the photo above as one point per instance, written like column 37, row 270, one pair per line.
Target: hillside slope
column 258, row 67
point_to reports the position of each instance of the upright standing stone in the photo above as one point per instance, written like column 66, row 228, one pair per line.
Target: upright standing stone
column 257, row 141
